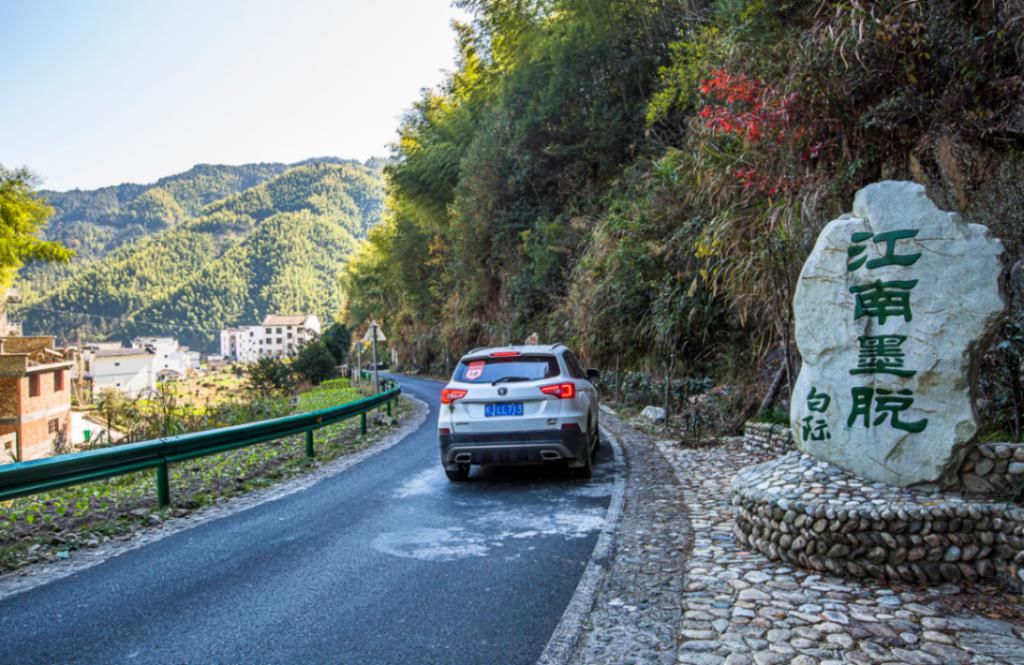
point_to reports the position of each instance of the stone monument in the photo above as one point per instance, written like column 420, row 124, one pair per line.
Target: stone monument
column 892, row 310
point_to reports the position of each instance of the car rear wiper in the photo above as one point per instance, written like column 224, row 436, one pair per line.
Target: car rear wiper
column 509, row 379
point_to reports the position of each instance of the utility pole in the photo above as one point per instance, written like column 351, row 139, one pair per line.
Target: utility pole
column 669, row 368
column 359, row 363
column 80, row 372
column 372, row 334
column 376, row 378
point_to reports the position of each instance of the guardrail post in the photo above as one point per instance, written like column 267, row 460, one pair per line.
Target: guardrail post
column 309, row 444
column 389, row 408
column 362, row 422
column 163, row 486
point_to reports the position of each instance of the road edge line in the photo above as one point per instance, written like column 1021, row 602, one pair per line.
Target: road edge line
column 566, row 636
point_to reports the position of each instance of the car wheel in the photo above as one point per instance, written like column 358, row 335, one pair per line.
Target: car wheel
column 458, row 474
column 586, row 469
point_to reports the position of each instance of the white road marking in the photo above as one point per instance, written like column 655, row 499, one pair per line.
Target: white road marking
column 421, row 483
column 492, row 523
column 431, row 544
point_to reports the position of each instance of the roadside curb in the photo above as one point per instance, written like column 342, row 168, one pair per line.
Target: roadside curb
column 566, row 636
column 36, row 575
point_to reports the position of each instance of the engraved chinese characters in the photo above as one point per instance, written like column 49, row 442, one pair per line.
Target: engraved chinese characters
column 888, row 308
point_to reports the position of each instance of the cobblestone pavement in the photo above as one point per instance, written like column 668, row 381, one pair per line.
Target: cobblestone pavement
column 638, row 609
column 680, row 589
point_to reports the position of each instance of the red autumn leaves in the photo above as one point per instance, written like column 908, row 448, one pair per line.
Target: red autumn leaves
column 767, row 120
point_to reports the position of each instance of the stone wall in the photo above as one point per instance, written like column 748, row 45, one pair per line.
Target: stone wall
column 770, row 438
column 810, row 513
column 994, row 469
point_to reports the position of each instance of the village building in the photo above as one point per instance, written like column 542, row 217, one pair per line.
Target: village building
column 130, row 371
column 35, row 398
column 137, row 369
column 9, row 328
column 170, row 359
column 277, row 337
column 239, row 344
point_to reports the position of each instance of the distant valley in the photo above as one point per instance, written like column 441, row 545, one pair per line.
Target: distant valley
column 195, row 252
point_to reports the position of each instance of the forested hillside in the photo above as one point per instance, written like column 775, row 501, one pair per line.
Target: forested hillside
column 646, row 178
column 94, row 222
column 210, row 248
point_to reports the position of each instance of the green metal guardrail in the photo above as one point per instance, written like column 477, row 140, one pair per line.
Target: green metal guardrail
column 25, row 478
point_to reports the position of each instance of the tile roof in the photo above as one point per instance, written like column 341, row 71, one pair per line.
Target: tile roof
column 279, row 320
column 109, row 353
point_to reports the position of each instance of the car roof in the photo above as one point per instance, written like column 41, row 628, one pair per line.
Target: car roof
column 525, row 349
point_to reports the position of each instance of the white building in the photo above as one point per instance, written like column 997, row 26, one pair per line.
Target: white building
column 170, row 359
column 139, row 368
column 240, row 343
column 9, row 328
column 277, row 337
column 130, row 371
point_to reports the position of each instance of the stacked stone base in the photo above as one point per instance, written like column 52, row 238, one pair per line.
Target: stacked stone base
column 769, row 438
column 812, row 514
column 995, row 469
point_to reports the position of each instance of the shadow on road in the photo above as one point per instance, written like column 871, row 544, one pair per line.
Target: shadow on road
column 552, row 474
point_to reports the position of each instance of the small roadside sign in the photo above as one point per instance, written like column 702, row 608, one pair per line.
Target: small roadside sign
column 374, row 329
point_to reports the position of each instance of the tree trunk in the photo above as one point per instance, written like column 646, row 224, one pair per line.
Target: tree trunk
column 1017, row 390
column 781, row 376
column 669, row 369
column 618, row 378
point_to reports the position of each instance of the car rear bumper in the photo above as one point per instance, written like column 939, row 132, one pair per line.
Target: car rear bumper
column 510, row 448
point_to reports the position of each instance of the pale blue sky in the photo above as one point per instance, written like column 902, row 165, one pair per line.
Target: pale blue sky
column 99, row 92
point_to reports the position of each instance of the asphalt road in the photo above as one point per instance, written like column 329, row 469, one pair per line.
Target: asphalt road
column 386, row 562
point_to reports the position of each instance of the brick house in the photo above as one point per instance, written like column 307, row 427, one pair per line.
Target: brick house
column 35, row 397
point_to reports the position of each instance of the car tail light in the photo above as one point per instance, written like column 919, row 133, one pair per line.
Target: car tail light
column 444, row 430
column 449, row 395
column 560, row 390
column 504, row 354
column 571, row 426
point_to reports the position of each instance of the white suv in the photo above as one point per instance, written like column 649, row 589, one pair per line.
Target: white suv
column 518, row 405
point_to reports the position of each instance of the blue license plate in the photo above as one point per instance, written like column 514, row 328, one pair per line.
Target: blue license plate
column 503, row 409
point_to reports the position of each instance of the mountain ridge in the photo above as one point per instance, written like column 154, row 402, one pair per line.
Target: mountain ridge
column 210, row 247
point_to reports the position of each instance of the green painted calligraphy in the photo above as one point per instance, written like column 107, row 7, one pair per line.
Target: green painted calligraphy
column 855, row 252
column 814, row 430
column 881, row 354
column 888, row 405
column 856, row 248
column 861, row 407
column 892, row 405
column 881, row 300
column 818, row 401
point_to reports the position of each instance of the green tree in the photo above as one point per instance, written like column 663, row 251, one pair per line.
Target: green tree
column 267, row 376
column 114, row 406
column 499, row 174
column 23, row 213
column 315, row 362
column 338, row 340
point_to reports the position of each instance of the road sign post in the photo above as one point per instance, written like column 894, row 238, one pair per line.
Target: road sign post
column 376, row 378
column 374, row 333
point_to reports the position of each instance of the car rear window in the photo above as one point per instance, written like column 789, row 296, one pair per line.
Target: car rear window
column 518, row 368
